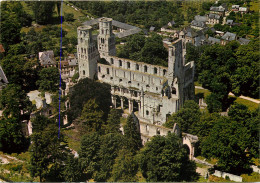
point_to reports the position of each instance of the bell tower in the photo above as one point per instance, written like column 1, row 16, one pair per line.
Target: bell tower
column 106, row 38
column 87, row 53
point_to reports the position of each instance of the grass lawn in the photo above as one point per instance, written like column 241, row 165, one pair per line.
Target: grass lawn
column 70, row 27
column 249, row 104
column 253, row 177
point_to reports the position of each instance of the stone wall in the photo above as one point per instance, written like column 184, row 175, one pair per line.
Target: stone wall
column 224, row 175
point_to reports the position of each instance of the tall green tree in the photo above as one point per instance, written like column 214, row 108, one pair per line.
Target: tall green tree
column 10, row 26
column 88, row 154
column 109, row 149
column 12, row 139
column 49, row 79
column 91, row 117
column 73, row 171
column 227, row 142
column 85, row 90
column 245, row 80
column 43, row 11
column 48, row 153
column 125, row 167
column 165, row 159
column 113, row 121
column 132, row 135
column 186, row 116
column 14, row 102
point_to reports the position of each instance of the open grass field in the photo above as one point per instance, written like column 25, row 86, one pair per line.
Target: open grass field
column 70, row 27
column 251, row 105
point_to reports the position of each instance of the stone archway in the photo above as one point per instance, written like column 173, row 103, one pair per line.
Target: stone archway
column 190, row 140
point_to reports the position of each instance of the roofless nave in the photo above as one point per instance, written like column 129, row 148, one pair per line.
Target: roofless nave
column 152, row 92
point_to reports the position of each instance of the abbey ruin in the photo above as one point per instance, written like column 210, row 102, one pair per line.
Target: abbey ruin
column 152, row 92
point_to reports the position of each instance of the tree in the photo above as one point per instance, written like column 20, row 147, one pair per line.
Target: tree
column 227, row 141
column 48, row 153
column 73, row 171
column 15, row 102
column 186, row 116
column 43, row 11
column 10, row 26
column 91, row 117
column 132, row 135
column 214, row 103
column 11, row 137
column 113, row 121
column 165, row 159
column 87, row 89
column 204, row 125
column 110, row 145
column 49, row 79
column 246, row 76
column 89, row 148
column 125, row 167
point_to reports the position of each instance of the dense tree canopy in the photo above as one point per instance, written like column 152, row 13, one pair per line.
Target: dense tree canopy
column 11, row 136
column 150, row 13
column 230, row 138
column 165, row 159
column 91, row 117
column 49, row 79
column 87, row 89
column 48, row 153
column 132, row 134
column 149, row 50
column 43, row 11
column 185, row 117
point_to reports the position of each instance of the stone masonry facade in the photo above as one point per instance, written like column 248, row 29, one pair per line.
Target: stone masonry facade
column 152, row 92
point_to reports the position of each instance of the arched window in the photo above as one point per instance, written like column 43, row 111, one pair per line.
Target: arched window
column 112, row 61
column 83, row 72
column 120, row 63
column 81, row 50
column 128, row 65
column 147, row 112
column 158, row 131
column 137, row 67
column 145, row 68
column 173, row 90
column 164, row 72
column 107, row 70
column 99, row 69
column 147, row 128
column 155, row 70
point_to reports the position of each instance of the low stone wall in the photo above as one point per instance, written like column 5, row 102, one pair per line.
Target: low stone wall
column 255, row 169
column 202, row 162
column 232, row 177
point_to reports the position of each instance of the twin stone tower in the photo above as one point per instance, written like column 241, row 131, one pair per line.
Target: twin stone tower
column 152, row 92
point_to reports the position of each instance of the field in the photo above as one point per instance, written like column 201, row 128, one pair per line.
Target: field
column 70, row 27
column 251, row 105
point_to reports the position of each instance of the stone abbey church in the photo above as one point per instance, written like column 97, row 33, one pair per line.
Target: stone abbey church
column 152, row 92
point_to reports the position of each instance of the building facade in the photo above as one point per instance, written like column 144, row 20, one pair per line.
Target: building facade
column 152, row 92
